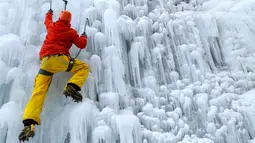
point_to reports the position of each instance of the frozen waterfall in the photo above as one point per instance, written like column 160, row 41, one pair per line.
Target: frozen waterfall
column 164, row 71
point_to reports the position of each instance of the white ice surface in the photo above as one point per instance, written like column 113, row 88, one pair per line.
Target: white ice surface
column 163, row 70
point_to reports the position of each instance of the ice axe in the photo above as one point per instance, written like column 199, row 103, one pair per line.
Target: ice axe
column 50, row 4
column 86, row 23
column 85, row 27
column 65, row 1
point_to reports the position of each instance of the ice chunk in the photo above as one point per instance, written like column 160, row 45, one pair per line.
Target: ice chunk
column 13, row 74
column 150, row 82
column 10, row 122
column 110, row 24
column 157, row 38
column 82, row 119
column 137, row 54
column 114, row 71
column 207, row 22
column 4, row 72
column 126, row 27
column 109, row 99
column 211, row 115
column 95, row 65
column 12, row 50
column 100, row 41
column 144, row 26
column 128, row 127
column 102, row 134
column 162, row 60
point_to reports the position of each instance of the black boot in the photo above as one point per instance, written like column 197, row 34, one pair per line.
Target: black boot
column 72, row 91
column 27, row 132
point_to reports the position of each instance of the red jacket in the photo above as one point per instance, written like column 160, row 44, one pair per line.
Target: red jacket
column 60, row 37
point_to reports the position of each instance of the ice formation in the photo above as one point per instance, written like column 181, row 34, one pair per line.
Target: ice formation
column 164, row 71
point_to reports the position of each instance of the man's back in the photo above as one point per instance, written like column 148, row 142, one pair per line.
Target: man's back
column 60, row 37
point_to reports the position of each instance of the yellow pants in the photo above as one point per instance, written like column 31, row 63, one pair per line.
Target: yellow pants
column 42, row 82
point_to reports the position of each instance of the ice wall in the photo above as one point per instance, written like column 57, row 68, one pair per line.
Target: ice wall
column 163, row 71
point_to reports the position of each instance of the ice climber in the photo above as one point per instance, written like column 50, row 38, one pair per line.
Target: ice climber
column 55, row 57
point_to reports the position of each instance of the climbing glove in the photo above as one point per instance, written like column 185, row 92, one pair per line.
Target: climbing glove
column 51, row 11
column 84, row 34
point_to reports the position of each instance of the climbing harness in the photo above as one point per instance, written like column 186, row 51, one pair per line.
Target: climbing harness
column 71, row 63
column 72, row 60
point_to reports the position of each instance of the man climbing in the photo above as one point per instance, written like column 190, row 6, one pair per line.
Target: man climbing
column 55, row 57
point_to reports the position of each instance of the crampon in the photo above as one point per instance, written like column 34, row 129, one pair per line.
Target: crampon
column 73, row 93
column 26, row 133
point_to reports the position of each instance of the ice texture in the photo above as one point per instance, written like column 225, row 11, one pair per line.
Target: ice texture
column 161, row 71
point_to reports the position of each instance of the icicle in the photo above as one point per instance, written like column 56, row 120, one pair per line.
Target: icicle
column 82, row 120
column 17, row 92
column 114, row 70
column 150, row 82
column 100, row 43
column 110, row 24
column 126, row 27
column 202, row 103
column 4, row 72
column 128, row 127
column 148, row 94
column 157, row 38
column 96, row 70
column 12, row 50
column 109, row 99
column 10, row 122
column 136, row 56
column 102, row 133
column 144, row 26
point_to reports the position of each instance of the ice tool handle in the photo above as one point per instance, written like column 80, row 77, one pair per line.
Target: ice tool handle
column 65, row 1
column 50, row 4
column 87, row 22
